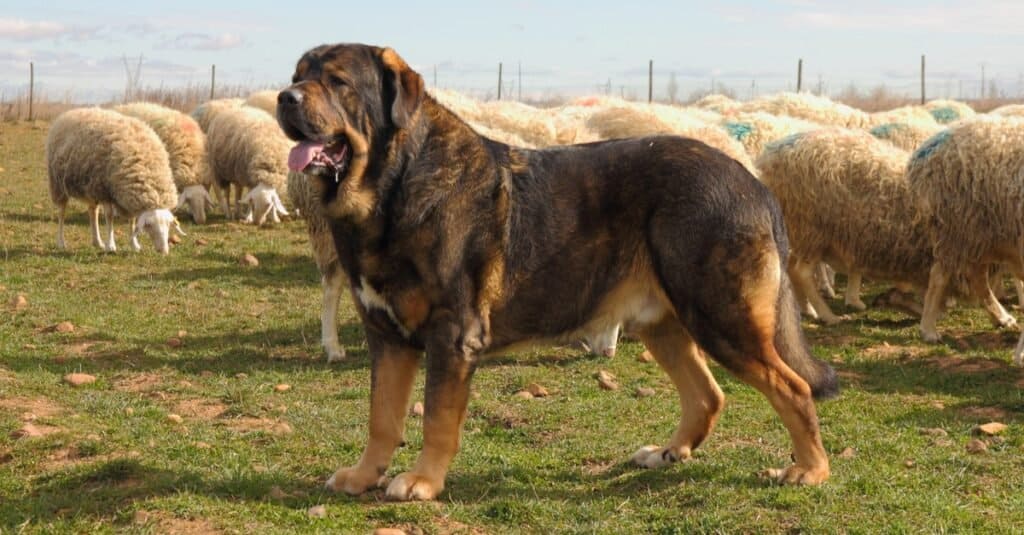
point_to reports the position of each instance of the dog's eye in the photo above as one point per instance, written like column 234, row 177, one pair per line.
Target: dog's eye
column 335, row 81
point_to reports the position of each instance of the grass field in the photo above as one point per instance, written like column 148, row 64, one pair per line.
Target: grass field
column 247, row 458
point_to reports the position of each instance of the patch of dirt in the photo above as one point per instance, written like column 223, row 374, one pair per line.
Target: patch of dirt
column 594, row 467
column 139, row 382
column 6, row 375
column 850, row 376
column 249, row 424
column 985, row 413
column 962, row 365
column 171, row 525
column 888, row 351
column 40, row 407
column 204, row 409
column 448, row 526
column 79, row 349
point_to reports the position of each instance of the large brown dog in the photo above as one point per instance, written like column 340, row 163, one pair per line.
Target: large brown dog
column 460, row 246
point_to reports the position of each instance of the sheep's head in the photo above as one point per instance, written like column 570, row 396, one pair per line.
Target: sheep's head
column 265, row 203
column 158, row 224
column 195, row 199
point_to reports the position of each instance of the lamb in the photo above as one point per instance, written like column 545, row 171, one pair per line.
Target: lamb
column 967, row 180
column 105, row 158
column 186, row 147
column 949, row 111
column 248, row 150
column 845, row 201
column 821, row 110
column 265, row 100
column 907, row 136
column 756, row 129
column 916, row 115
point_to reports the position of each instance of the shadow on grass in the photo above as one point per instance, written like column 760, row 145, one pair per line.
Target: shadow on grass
column 275, row 270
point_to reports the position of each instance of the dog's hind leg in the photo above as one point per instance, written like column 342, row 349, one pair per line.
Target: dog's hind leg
column 391, row 378
column 700, row 398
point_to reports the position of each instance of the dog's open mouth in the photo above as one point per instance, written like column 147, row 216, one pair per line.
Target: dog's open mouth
column 332, row 157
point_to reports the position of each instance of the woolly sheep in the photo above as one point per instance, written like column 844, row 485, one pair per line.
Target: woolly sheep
column 264, row 100
column 821, row 110
column 845, row 201
column 906, row 136
column 968, row 182
column 717, row 103
column 916, row 115
column 207, row 111
column 949, row 111
column 186, row 148
column 757, row 129
column 635, row 120
column 105, row 158
column 304, row 197
column 248, row 150
column 1009, row 110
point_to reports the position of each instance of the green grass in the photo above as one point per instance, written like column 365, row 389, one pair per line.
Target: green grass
column 115, row 463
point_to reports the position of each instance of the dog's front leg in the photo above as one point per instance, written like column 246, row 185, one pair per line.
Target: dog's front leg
column 393, row 371
column 452, row 350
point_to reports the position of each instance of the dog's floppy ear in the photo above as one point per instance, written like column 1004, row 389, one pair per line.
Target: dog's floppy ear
column 407, row 85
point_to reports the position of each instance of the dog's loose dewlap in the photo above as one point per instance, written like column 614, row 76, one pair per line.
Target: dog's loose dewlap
column 458, row 247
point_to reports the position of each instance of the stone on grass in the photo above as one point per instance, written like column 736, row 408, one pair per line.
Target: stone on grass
column 417, row 409
column 537, row 391
column 606, row 380
column 990, row 429
column 976, row 446
column 644, row 392
column 175, row 418
column 249, row 260
column 317, row 511
column 79, row 379
column 282, row 388
column 64, row 327
column 646, row 356
column 19, row 302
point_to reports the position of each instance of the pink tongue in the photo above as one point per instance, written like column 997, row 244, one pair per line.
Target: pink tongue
column 302, row 154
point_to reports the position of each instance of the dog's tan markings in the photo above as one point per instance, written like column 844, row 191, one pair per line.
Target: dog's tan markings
column 412, row 308
column 700, row 398
column 444, row 413
column 394, row 370
column 408, row 88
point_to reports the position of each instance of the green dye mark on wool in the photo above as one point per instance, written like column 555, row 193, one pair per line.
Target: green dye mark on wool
column 739, row 131
column 885, row 131
column 784, row 143
column 930, row 146
column 945, row 115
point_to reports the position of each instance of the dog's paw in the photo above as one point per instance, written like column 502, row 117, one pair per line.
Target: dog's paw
column 658, row 457
column 353, row 480
column 409, row 486
column 797, row 475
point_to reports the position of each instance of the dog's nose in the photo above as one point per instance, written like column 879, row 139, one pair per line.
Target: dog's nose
column 289, row 97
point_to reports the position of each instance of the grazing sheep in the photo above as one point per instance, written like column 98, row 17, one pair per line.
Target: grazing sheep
column 968, row 182
column 846, row 202
column 304, row 198
column 906, row 136
column 248, row 150
column 637, row 120
column 534, row 126
column 916, row 115
column 265, row 100
column 186, row 147
column 105, row 158
column 949, row 111
column 205, row 112
column 808, row 107
column 1009, row 110
column 717, row 103
column 757, row 129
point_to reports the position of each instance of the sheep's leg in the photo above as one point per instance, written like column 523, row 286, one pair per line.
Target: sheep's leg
column 981, row 288
column 1019, row 286
column 1018, row 353
column 224, row 199
column 135, row 238
column 826, row 278
column 108, row 213
column 61, row 212
column 802, row 274
column 238, row 199
column 333, row 282
column 853, row 291
column 94, row 226
column 934, row 297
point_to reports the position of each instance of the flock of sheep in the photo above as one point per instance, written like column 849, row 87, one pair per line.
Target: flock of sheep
column 929, row 198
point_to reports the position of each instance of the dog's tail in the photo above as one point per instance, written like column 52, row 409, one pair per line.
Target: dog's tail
column 789, row 336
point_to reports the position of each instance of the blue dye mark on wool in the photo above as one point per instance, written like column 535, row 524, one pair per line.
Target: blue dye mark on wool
column 739, row 131
column 945, row 115
column 930, row 146
column 784, row 143
column 886, row 131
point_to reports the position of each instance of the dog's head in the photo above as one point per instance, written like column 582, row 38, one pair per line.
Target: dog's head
column 346, row 104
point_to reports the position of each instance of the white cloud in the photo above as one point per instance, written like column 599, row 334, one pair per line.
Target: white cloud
column 24, row 30
column 202, row 41
column 992, row 17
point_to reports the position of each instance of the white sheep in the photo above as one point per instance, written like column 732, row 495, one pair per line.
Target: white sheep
column 186, row 148
column 265, row 100
column 248, row 150
column 1009, row 110
column 105, row 158
column 949, row 111
column 757, row 129
column 906, row 135
column 969, row 182
column 821, row 110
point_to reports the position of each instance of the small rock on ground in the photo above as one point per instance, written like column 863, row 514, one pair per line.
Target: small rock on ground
column 79, row 379
column 317, row 511
column 976, row 446
column 417, row 409
column 249, row 260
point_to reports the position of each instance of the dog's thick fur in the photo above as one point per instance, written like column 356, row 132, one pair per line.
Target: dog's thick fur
column 459, row 247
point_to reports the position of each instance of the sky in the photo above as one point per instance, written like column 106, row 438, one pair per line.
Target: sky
column 561, row 48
